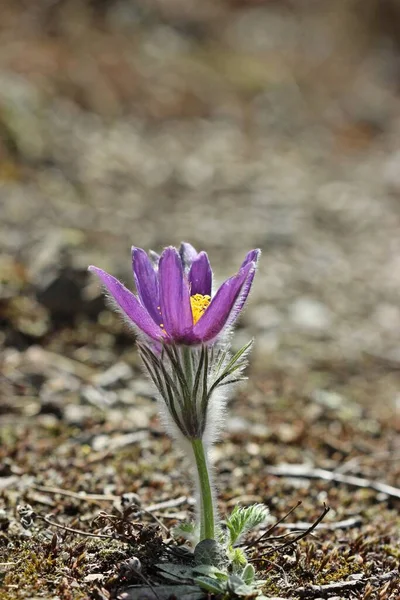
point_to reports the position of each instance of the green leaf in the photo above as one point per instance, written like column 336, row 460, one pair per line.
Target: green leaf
column 243, row 519
column 209, row 552
column 187, row 531
column 210, row 571
column 234, row 364
column 238, row 559
column 175, row 572
column 242, row 352
column 210, row 584
column 248, row 574
column 237, row 586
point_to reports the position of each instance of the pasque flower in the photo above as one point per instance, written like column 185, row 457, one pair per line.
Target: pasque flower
column 182, row 329
column 174, row 302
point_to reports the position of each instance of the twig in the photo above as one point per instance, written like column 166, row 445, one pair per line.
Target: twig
column 167, row 504
column 386, row 361
column 296, row 539
column 160, row 523
column 77, row 531
column 278, row 538
column 95, row 498
column 147, row 582
column 178, row 516
column 375, row 579
column 108, row 498
column 329, row 589
column 345, row 524
column 77, row 495
column 270, row 529
column 308, row 472
column 274, row 565
column 355, row 461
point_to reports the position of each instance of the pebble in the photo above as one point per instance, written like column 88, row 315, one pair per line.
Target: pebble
column 328, row 399
column 99, row 398
column 23, row 103
column 106, row 442
column 264, row 316
column 261, row 431
column 356, row 576
column 391, row 172
column 237, row 425
column 75, row 414
column 94, row 577
column 113, row 376
column 143, row 387
column 288, row 433
column 387, row 317
column 311, row 316
column 266, row 343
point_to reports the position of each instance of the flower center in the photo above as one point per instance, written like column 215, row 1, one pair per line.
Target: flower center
column 199, row 304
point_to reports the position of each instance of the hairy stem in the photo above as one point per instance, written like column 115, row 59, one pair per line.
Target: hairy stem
column 207, row 518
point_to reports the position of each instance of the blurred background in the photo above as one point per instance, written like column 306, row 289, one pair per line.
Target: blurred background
column 230, row 123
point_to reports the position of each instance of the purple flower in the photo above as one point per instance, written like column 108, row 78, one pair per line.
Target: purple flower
column 174, row 301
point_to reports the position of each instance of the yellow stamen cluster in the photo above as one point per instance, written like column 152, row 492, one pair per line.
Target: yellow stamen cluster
column 199, row 304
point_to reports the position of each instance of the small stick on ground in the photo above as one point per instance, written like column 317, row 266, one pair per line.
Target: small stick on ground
column 329, row 589
column 156, row 519
column 76, row 531
column 147, row 582
column 77, row 495
column 297, row 538
column 108, row 497
column 274, row 565
column 271, row 529
column 345, row 524
column 309, row 472
column 167, row 504
column 338, row 587
column 356, row 461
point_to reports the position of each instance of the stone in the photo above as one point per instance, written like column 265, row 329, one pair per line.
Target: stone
column 114, row 376
column 311, row 316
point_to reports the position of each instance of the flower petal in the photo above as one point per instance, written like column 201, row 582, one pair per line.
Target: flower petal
column 217, row 314
column 242, row 297
column 174, row 296
column 188, row 254
column 251, row 256
column 129, row 304
column 200, row 276
column 146, row 281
